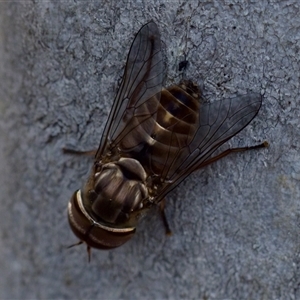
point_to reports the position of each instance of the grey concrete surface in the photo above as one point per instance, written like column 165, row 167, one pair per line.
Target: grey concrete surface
column 235, row 223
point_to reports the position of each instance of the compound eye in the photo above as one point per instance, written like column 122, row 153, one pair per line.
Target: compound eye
column 91, row 232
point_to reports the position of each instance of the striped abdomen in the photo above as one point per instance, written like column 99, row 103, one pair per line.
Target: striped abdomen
column 156, row 140
column 176, row 123
column 158, row 137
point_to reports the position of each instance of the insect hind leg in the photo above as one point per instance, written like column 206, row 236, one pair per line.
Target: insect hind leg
column 265, row 144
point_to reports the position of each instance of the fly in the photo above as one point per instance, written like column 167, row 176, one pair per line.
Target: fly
column 154, row 138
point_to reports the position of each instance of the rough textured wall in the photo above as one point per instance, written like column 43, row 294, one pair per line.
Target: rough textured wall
column 235, row 223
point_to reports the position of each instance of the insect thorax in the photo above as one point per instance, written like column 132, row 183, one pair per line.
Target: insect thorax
column 116, row 190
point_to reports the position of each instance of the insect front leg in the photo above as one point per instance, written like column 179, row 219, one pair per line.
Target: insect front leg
column 162, row 206
column 76, row 152
column 88, row 248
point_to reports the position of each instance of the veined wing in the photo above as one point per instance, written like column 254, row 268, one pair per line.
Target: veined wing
column 219, row 121
column 139, row 94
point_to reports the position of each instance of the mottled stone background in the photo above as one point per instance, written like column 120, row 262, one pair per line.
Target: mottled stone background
column 235, row 223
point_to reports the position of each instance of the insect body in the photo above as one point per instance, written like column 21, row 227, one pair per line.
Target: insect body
column 153, row 139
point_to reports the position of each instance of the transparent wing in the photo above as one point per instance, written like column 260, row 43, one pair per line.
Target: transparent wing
column 219, row 121
column 139, row 94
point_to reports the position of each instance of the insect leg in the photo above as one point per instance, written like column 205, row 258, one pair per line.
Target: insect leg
column 265, row 144
column 76, row 244
column 75, row 152
column 88, row 248
column 162, row 205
